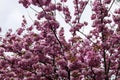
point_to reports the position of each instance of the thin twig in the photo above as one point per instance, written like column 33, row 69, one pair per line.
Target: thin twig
column 111, row 5
column 53, row 31
column 116, row 75
column 30, row 17
column 94, row 75
column 34, row 9
column 83, row 10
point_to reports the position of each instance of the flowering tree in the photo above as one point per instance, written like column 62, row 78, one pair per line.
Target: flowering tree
column 41, row 51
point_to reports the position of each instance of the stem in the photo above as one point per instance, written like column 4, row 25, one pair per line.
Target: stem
column 34, row 9
column 111, row 5
column 79, row 31
column 61, row 45
column 54, row 66
column 83, row 10
column 86, row 37
column 68, row 70
column 109, row 63
column 94, row 75
column 103, row 49
column 54, row 31
column 104, row 52
column 30, row 16
column 116, row 75
column 105, row 64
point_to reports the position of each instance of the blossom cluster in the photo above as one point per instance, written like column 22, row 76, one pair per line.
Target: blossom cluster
column 42, row 52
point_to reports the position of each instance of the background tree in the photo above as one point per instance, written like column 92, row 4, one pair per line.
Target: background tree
column 41, row 51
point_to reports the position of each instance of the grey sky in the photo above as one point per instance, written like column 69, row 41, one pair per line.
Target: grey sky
column 10, row 14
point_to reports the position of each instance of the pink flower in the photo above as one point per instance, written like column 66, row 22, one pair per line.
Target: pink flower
column 93, row 16
column 92, row 59
column 62, row 63
column 25, row 3
column 41, row 2
column 62, row 73
column 107, row 1
column 19, row 31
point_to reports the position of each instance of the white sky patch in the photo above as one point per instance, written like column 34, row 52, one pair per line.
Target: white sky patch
column 2, row 4
column 11, row 15
column 14, row 19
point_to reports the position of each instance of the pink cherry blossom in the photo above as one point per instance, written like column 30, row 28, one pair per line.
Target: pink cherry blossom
column 42, row 51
